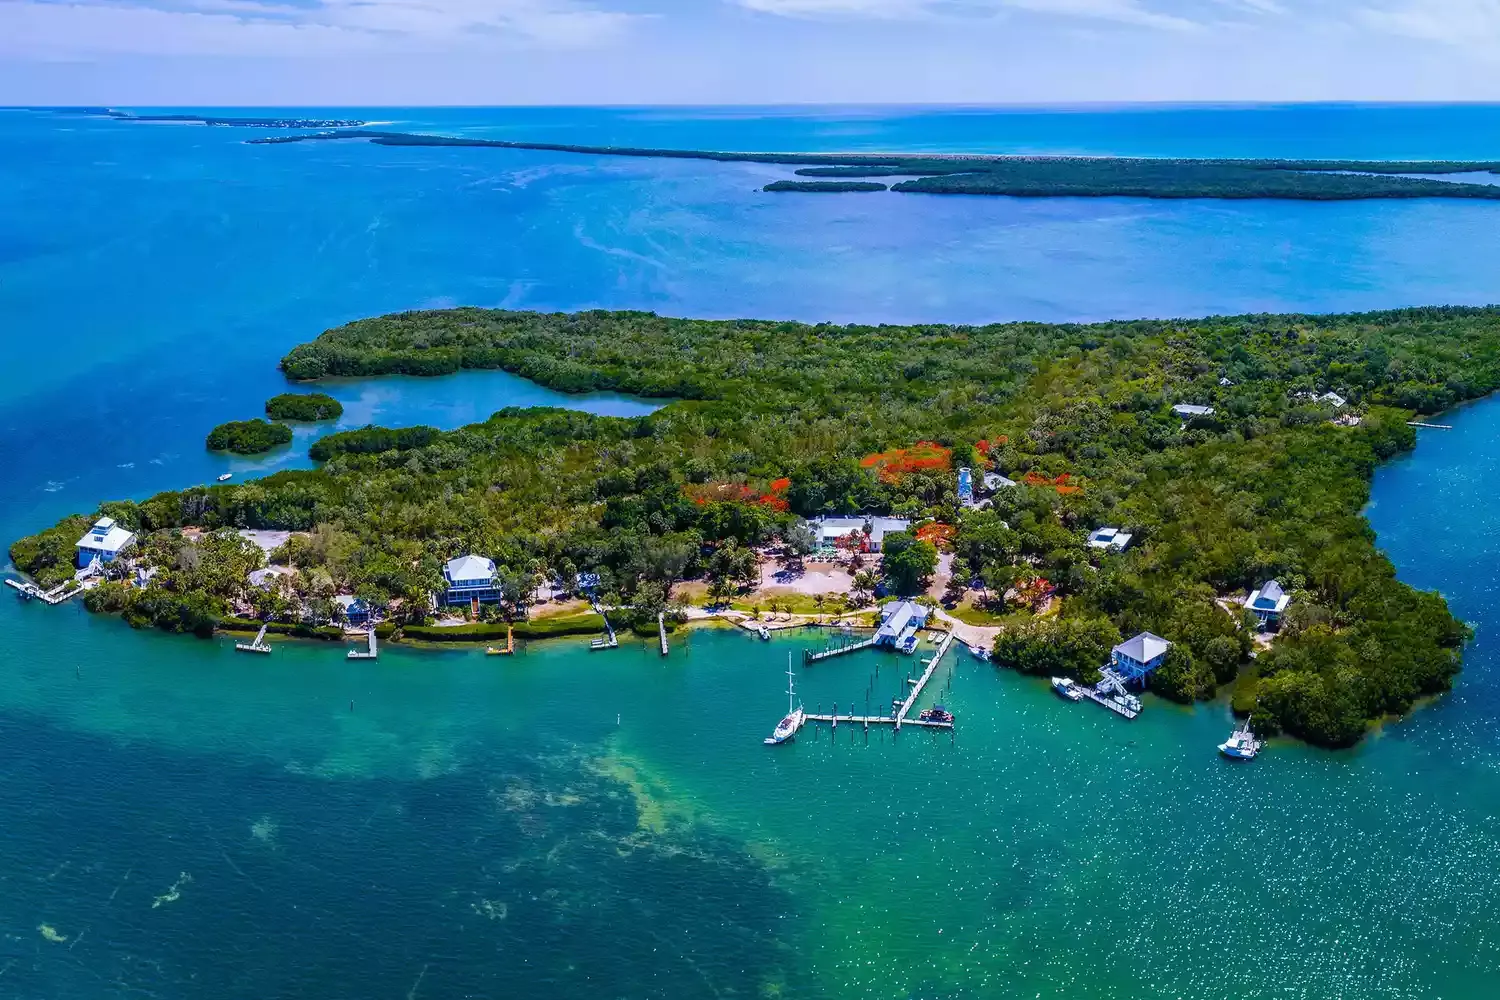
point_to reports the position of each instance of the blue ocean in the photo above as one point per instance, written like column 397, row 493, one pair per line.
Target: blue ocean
column 181, row 824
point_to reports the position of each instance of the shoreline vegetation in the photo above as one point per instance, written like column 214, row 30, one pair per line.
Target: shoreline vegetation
column 773, row 422
column 248, row 437
column 1043, row 176
column 826, row 186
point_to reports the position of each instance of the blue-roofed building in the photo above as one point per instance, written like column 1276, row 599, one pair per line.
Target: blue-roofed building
column 1137, row 656
column 899, row 622
column 356, row 610
column 1267, row 602
column 470, row 578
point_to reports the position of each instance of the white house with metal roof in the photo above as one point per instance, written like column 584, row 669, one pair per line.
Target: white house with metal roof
column 1333, row 399
column 1267, row 602
column 899, row 622
column 1137, row 656
column 831, row 530
column 1112, row 539
column 470, row 578
column 104, row 542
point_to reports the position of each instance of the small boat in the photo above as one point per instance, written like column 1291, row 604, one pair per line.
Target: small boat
column 937, row 713
column 1242, row 744
column 795, row 715
column 907, row 644
column 227, row 475
column 979, row 652
column 1066, row 687
column 492, row 651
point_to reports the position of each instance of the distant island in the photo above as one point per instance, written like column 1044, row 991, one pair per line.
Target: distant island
column 207, row 120
column 1202, row 481
column 1048, row 176
column 248, row 437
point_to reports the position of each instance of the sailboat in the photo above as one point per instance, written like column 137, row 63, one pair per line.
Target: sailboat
column 1242, row 744
column 795, row 715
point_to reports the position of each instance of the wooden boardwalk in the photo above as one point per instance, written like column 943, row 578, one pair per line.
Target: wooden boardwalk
column 661, row 630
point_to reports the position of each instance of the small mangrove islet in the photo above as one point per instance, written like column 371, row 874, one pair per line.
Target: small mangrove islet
column 305, row 406
column 1045, row 176
column 248, row 437
column 770, row 422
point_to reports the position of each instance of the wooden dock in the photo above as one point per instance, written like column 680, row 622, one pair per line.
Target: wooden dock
column 808, row 656
column 611, row 642
column 1111, row 702
column 898, row 716
column 510, row 644
column 1435, row 427
column 257, row 645
column 27, row 590
column 661, row 630
column 916, row 689
column 365, row 654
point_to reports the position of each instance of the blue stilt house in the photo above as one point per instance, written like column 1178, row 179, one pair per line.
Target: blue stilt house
column 1136, row 657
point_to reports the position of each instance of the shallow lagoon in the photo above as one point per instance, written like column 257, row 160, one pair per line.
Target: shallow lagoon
column 181, row 822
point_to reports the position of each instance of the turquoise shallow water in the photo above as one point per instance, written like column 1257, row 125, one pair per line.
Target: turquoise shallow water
column 181, row 823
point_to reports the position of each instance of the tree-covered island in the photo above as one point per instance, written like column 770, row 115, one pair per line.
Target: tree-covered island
column 305, row 406
column 1234, row 451
column 1043, row 176
column 248, row 437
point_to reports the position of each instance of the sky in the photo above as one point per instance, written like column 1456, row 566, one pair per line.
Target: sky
column 408, row 52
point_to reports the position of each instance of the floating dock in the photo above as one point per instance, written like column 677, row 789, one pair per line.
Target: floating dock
column 365, row 654
column 258, row 645
column 1110, row 701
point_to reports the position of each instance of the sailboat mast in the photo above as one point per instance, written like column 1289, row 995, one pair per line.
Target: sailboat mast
column 790, row 687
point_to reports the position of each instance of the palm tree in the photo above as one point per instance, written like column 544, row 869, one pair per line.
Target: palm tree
column 818, row 601
column 864, row 587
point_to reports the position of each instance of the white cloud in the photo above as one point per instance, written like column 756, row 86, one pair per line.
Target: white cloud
column 1123, row 11
column 1470, row 24
column 267, row 27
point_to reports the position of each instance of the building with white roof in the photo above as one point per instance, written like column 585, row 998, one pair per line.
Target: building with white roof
column 470, row 578
column 1111, row 539
column 1333, row 399
column 832, row 530
column 104, row 542
column 899, row 622
column 1267, row 602
column 1137, row 656
column 994, row 481
column 1189, row 410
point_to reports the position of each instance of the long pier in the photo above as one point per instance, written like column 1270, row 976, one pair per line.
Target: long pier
column 661, row 630
column 808, row 656
column 1435, row 427
column 897, row 718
